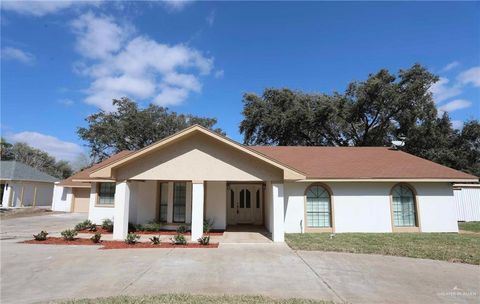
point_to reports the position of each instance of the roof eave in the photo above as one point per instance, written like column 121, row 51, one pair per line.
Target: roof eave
column 430, row 180
column 94, row 180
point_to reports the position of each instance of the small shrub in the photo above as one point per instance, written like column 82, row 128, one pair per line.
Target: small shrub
column 207, row 225
column 155, row 240
column 69, row 234
column 204, row 240
column 107, row 224
column 96, row 238
column 86, row 224
column 181, row 229
column 179, row 239
column 132, row 238
column 42, row 236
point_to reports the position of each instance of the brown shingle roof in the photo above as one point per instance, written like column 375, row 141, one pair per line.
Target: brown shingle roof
column 85, row 173
column 359, row 163
column 331, row 163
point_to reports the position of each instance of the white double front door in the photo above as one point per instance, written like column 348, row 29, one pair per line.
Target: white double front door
column 245, row 204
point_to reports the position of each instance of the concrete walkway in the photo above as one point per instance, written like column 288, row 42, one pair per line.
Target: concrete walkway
column 41, row 273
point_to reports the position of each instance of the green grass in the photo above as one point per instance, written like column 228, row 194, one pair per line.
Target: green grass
column 464, row 248
column 190, row 299
column 470, row 226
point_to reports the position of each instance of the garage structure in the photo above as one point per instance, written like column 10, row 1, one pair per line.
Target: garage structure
column 74, row 196
column 24, row 186
column 467, row 201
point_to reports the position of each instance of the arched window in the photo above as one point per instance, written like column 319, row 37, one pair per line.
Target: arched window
column 319, row 214
column 404, row 207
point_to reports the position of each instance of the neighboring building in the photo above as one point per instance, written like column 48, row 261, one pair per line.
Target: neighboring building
column 197, row 174
column 467, row 202
column 24, row 186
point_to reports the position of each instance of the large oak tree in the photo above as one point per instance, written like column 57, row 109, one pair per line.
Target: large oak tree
column 132, row 127
column 373, row 112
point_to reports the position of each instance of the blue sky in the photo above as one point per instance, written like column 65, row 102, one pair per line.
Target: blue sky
column 61, row 61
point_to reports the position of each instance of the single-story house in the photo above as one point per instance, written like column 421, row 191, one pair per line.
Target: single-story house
column 197, row 174
column 467, row 201
column 24, row 186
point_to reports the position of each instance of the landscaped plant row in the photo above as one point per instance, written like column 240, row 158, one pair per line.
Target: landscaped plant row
column 117, row 244
column 107, row 227
column 69, row 237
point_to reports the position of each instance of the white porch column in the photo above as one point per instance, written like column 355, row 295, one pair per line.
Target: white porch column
column 197, row 209
column 278, row 210
column 121, row 212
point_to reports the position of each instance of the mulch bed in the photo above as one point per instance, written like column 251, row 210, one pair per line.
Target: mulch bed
column 115, row 244
column 161, row 232
column 170, row 232
column 123, row 245
column 61, row 241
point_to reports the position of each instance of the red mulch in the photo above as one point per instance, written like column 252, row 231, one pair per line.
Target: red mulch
column 170, row 232
column 115, row 244
column 123, row 245
column 61, row 241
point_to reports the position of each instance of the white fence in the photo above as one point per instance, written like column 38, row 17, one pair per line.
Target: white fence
column 467, row 201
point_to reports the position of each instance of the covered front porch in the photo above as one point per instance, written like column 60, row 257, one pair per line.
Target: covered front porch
column 193, row 176
column 255, row 208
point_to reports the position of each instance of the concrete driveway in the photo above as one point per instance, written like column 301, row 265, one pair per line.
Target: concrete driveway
column 41, row 273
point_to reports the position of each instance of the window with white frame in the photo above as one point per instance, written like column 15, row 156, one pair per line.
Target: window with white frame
column 106, row 193
column 318, row 207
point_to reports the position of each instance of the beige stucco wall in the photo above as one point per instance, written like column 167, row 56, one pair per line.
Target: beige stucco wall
column 143, row 202
column 216, row 204
column 198, row 157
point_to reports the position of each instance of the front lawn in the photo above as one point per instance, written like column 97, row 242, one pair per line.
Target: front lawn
column 464, row 248
column 190, row 299
column 469, row 226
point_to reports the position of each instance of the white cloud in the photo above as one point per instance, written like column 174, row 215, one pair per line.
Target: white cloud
column 97, row 38
column 176, row 5
column 10, row 53
column 441, row 90
column 171, row 96
column 41, row 8
column 135, row 66
column 450, row 66
column 470, row 76
column 455, row 105
column 219, row 74
column 63, row 150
